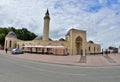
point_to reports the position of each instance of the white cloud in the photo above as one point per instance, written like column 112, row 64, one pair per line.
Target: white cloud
column 100, row 20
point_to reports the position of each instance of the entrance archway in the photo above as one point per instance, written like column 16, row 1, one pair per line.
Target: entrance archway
column 79, row 45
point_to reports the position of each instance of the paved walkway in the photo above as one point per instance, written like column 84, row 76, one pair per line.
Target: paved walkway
column 89, row 60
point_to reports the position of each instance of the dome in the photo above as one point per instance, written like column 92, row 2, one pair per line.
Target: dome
column 61, row 39
column 91, row 42
column 11, row 34
column 38, row 38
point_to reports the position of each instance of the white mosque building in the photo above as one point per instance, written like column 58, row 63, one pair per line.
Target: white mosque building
column 75, row 42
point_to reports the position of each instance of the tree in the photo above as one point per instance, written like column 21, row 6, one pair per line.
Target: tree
column 111, row 48
column 2, row 39
column 22, row 34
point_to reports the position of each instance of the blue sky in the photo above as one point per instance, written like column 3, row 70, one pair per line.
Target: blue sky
column 100, row 18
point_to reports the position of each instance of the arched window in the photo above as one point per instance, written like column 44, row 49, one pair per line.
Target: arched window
column 94, row 49
column 23, row 46
column 18, row 46
column 15, row 45
column 89, row 49
column 10, row 43
column 6, row 43
column 97, row 49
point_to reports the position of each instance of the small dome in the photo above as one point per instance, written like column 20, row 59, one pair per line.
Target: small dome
column 91, row 42
column 61, row 39
column 11, row 34
column 38, row 38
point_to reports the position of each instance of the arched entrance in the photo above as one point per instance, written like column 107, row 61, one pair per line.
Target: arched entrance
column 79, row 45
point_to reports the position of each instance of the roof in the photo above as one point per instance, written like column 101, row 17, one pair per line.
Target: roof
column 41, row 46
column 11, row 34
column 38, row 38
column 72, row 29
column 47, row 12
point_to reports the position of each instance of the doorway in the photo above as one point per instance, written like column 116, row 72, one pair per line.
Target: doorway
column 79, row 45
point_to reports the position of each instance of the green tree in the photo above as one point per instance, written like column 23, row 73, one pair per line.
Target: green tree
column 2, row 39
column 22, row 34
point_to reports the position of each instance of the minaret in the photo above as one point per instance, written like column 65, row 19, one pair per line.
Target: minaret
column 46, row 26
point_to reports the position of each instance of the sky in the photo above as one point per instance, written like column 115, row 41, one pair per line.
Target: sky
column 99, row 18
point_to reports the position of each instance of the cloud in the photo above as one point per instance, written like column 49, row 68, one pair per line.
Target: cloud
column 100, row 18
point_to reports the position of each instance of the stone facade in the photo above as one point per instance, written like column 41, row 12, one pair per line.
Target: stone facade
column 75, row 41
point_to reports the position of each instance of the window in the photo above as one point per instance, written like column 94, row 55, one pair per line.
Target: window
column 89, row 49
column 94, row 49
column 6, row 43
column 10, row 43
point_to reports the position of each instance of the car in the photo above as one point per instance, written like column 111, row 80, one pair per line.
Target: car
column 16, row 51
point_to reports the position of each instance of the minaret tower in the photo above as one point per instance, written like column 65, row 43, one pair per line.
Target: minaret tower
column 46, row 26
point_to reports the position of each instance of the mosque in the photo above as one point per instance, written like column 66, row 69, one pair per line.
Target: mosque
column 75, row 42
